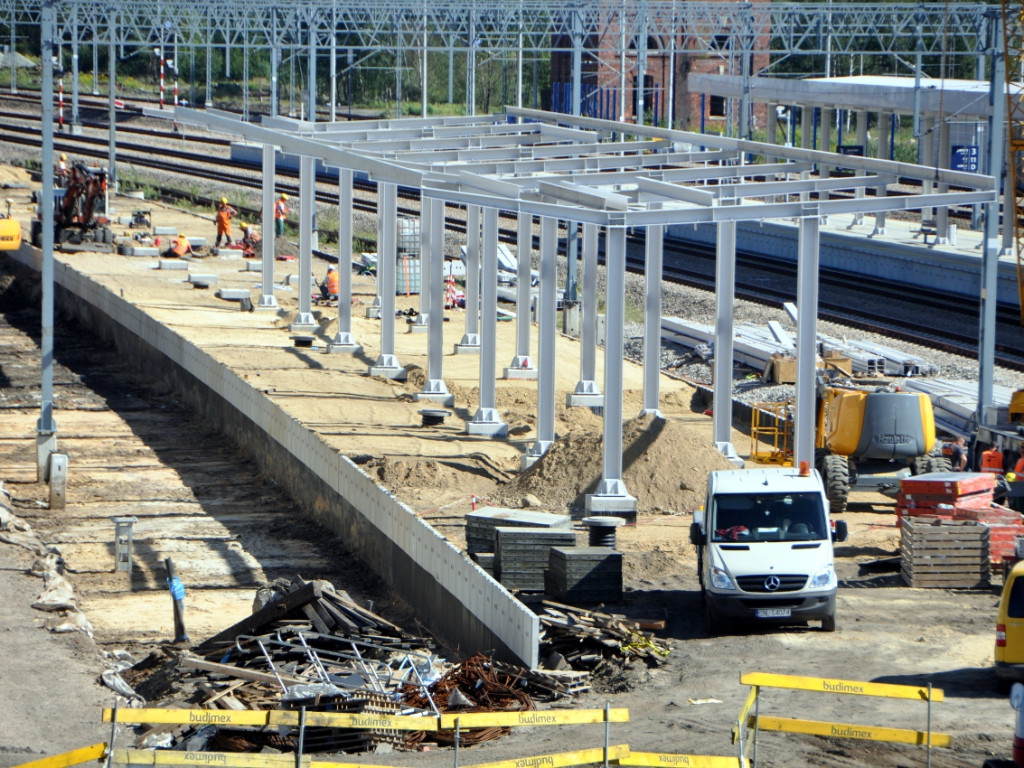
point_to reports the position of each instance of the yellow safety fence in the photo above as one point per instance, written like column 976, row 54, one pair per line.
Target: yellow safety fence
column 758, row 722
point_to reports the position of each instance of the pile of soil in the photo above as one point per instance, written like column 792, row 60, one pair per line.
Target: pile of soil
column 665, row 466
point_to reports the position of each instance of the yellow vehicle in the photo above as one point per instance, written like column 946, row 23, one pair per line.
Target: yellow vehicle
column 10, row 231
column 1010, row 630
column 865, row 438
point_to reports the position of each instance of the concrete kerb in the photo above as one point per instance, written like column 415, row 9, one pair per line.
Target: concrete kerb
column 454, row 596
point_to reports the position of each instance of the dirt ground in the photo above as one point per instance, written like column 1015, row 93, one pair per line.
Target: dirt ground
column 887, row 632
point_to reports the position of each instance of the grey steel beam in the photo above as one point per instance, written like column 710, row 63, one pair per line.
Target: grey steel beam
column 654, row 246
column 884, row 124
column 487, row 421
column 547, row 321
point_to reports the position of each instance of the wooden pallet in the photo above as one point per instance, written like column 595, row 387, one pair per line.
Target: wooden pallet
column 947, row 554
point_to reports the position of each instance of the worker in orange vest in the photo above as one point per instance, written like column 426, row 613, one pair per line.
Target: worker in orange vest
column 280, row 214
column 224, row 214
column 330, row 286
column 181, row 247
column 992, row 461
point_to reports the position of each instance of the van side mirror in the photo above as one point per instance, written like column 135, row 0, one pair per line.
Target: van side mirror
column 697, row 536
column 841, row 531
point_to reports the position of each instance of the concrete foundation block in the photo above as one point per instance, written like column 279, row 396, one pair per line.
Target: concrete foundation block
column 173, row 264
column 397, row 373
column 572, row 400
column 487, row 428
column 522, row 374
column 145, row 250
column 253, row 266
column 344, row 349
column 166, row 232
column 443, row 398
column 234, row 294
column 617, row 506
column 202, row 280
column 467, row 349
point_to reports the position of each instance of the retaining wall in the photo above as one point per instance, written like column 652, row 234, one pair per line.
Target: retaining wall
column 451, row 595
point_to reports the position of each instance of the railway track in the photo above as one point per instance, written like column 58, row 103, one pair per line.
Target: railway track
column 760, row 279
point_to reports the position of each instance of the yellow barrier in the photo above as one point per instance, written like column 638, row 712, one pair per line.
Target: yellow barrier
column 163, row 757
column 682, row 761
column 390, row 722
column 850, row 687
column 74, row 757
column 850, row 731
column 758, row 722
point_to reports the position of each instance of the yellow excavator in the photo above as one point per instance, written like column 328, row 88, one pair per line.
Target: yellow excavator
column 866, row 438
column 10, row 231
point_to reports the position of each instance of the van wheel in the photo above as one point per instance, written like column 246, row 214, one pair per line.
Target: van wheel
column 828, row 624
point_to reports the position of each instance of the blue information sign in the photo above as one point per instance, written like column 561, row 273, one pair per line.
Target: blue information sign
column 964, row 158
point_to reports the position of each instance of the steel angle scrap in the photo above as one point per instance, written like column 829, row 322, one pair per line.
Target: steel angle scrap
column 853, row 687
column 850, row 731
column 226, row 759
column 65, row 759
column 683, row 761
column 533, row 717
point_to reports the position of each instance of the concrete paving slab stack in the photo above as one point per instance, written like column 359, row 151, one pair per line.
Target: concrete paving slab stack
column 521, row 555
column 481, row 524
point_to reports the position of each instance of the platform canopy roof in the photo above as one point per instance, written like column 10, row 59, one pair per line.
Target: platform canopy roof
column 599, row 171
column 954, row 99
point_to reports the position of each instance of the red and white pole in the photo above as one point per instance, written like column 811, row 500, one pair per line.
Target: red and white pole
column 1017, row 702
column 60, row 101
column 162, row 64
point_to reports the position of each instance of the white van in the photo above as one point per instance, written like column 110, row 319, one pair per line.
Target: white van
column 764, row 548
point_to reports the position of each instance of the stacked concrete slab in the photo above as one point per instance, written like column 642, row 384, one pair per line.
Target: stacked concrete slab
column 584, row 575
column 481, row 524
column 521, row 555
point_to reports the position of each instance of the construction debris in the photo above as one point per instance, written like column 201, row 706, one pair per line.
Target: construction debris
column 585, row 638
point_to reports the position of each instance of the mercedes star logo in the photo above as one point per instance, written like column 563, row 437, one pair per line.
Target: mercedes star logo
column 772, row 583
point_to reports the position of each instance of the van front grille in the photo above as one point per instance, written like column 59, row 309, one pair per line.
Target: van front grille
column 786, row 583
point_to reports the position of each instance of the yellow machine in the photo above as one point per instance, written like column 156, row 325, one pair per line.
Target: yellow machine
column 864, row 439
column 10, row 232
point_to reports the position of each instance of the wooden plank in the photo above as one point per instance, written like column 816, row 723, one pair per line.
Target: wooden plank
column 268, row 613
column 65, row 759
column 833, row 685
column 850, row 731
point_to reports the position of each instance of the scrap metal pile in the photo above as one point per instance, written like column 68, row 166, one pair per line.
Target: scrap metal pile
column 309, row 646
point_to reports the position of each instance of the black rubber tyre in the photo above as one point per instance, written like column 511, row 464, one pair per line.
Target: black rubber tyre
column 922, row 465
column 837, row 483
column 828, row 624
column 940, row 464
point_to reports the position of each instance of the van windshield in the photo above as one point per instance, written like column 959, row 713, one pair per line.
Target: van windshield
column 768, row 517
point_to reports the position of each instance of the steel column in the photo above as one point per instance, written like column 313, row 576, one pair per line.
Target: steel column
column 311, row 68
column 725, row 300
column 387, row 224
column 46, row 427
column 547, row 320
column 806, row 351
column 267, row 298
column 884, row 125
column 432, row 285
column 471, row 338
column 654, row 242
column 76, row 122
column 304, row 320
column 487, row 421
column 343, row 340
column 522, row 364
column 942, row 161
column 112, row 184
column 587, row 391
column 611, row 494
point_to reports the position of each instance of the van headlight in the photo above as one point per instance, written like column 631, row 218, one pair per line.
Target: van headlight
column 826, row 577
column 720, row 579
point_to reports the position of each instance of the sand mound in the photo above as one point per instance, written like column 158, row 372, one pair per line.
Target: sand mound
column 664, row 465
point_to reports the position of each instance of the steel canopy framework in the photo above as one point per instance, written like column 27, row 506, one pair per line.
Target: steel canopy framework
column 607, row 175
column 616, row 34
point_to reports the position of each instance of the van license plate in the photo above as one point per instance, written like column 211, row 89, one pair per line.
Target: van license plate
column 773, row 613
